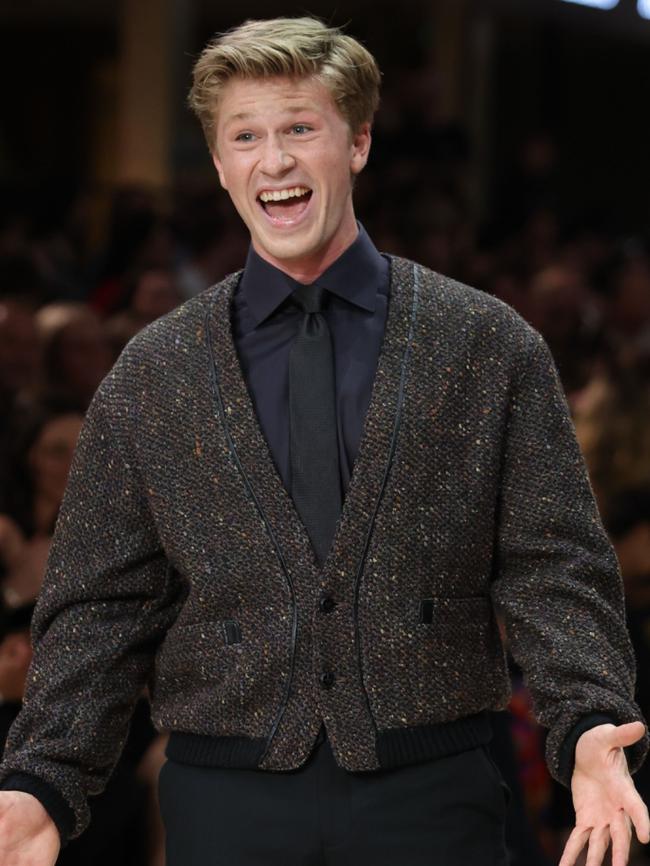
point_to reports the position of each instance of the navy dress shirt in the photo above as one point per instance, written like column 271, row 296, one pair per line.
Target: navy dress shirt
column 265, row 323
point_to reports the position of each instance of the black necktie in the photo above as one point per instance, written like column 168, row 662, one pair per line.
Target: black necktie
column 315, row 480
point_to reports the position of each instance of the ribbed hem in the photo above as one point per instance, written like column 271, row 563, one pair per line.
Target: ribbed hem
column 204, row 751
column 397, row 747
column 53, row 801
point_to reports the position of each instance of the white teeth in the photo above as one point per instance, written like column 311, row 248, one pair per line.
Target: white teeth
column 281, row 194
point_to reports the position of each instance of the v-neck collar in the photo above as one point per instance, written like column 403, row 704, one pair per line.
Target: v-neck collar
column 249, row 448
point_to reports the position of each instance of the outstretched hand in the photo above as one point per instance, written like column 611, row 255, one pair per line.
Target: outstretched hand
column 28, row 836
column 605, row 800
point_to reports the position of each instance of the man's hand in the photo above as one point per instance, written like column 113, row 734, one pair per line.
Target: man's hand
column 604, row 797
column 28, row 836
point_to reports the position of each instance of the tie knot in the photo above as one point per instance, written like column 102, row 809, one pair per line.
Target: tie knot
column 310, row 299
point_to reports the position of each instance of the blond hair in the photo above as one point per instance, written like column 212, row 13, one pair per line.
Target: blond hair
column 290, row 47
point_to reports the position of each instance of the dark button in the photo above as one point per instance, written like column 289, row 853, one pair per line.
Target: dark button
column 327, row 679
column 327, row 603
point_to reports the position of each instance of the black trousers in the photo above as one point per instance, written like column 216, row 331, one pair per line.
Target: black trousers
column 445, row 812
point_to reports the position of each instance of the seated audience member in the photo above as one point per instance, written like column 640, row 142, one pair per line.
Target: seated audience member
column 561, row 306
column 611, row 418
column 627, row 286
column 34, row 474
column 21, row 359
column 150, row 293
column 77, row 351
column 15, row 656
column 20, row 347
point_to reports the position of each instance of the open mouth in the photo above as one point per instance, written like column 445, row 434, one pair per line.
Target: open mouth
column 285, row 206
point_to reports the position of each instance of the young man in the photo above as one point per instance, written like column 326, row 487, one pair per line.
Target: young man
column 321, row 642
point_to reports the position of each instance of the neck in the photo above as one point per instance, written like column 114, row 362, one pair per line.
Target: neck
column 308, row 269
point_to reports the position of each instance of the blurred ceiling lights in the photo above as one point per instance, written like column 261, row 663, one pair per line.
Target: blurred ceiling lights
column 644, row 8
column 595, row 4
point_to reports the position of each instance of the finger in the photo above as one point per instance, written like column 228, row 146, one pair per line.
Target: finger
column 621, row 834
column 638, row 812
column 574, row 845
column 627, row 734
column 598, row 843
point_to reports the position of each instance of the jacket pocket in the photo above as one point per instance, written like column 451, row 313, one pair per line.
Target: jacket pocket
column 434, row 659
column 211, row 678
column 195, row 651
column 442, row 610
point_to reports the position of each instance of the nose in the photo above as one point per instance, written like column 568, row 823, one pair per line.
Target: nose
column 276, row 159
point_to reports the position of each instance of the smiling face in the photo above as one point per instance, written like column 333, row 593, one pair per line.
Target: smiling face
column 287, row 157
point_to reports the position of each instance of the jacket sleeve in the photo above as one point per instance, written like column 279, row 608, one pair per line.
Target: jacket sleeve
column 557, row 581
column 108, row 596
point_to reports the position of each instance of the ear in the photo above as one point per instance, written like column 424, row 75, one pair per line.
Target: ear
column 360, row 148
column 219, row 167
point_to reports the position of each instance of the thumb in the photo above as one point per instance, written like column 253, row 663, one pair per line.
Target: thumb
column 627, row 734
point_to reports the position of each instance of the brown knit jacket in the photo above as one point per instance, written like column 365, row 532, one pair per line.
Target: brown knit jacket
column 179, row 560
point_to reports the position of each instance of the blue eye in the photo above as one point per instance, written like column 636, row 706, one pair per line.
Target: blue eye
column 244, row 136
column 301, row 128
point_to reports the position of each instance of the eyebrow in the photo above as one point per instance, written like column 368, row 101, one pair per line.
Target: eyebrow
column 246, row 115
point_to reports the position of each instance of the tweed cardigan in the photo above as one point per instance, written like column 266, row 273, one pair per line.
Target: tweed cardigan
column 179, row 560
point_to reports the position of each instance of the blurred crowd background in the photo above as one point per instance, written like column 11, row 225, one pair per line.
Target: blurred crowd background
column 510, row 152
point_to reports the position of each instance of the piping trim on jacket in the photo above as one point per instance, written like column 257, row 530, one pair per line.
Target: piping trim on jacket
column 249, row 486
column 389, row 462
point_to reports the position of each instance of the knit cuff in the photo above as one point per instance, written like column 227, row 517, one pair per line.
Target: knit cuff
column 567, row 752
column 54, row 803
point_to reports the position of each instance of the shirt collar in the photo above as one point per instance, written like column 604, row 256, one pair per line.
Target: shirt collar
column 356, row 276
